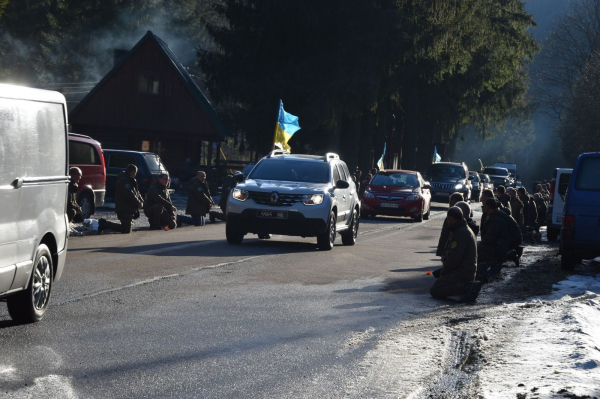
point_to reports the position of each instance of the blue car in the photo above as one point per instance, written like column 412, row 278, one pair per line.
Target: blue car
column 580, row 231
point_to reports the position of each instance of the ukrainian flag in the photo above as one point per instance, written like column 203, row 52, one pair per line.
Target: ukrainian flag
column 287, row 125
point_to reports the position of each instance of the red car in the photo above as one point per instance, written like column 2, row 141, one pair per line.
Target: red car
column 86, row 153
column 397, row 193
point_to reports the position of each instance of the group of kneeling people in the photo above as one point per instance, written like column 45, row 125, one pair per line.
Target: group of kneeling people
column 467, row 264
column 157, row 206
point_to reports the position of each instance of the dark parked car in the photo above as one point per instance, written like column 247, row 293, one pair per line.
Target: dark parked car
column 447, row 178
column 499, row 176
column 86, row 154
column 149, row 167
column 580, row 231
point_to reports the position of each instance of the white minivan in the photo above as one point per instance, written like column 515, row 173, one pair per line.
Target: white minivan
column 556, row 204
column 33, row 198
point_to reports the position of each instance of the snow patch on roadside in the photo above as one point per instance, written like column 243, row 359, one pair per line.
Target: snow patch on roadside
column 545, row 348
column 50, row 386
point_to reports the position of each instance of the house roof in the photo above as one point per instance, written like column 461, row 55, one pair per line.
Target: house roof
column 181, row 72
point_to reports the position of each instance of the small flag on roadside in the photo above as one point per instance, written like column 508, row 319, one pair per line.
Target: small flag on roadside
column 436, row 156
column 380, row 162
column 287, row 125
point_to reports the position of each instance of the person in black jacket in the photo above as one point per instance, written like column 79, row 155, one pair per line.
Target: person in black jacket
column 73, row 208
column 199, row 202
column 128, row 202
column 441, row 248
column 494, row 242
column 229, row 184
column 467, row 213
column 158, row 207
column 504, row 199
column 530, row 215
column 460, row 260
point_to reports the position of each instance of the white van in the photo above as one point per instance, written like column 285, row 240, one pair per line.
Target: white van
column 556, row 204
column 33, row 198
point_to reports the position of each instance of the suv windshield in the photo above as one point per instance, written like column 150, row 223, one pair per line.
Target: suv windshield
column 154, row 163
column 284, row 170
column 496, row 171
column 445, row 170
column 395, row 180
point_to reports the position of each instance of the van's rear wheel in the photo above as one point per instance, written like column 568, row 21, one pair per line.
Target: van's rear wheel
column 86, row 202
column 568, row 260
column 30, row 305
column 552, row 234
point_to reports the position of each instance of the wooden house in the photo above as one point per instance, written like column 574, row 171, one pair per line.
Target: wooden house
column 149, row 102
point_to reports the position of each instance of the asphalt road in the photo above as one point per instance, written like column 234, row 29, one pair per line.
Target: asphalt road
column 183, row 314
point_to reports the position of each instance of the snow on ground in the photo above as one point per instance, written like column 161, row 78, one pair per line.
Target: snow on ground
column 548, row 347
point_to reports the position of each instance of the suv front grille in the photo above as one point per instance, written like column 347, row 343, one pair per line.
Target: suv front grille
column 261, row 198
column 443, row 185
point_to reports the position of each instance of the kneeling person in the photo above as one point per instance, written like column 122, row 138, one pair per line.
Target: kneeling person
column 199, row 202
column 158, row 207
column 128, row 202
column 460, row 259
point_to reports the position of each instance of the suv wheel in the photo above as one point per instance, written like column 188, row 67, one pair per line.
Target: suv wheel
column 325, row 241
column 233, row 234
column 30, row 305
column 87, row 205
column 349, row 236
column 552, row 234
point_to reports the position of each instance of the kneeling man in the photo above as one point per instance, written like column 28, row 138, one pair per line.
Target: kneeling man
column 460, row 260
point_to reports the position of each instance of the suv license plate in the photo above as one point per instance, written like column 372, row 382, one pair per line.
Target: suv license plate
column 442, row 194
column 272, row 214
column 386, row 205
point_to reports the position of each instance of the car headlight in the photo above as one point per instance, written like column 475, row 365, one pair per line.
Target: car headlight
column 368, row 194
column 459, row 186
column 413, row 198
column 505, row 180
column 240, row 195
column 312, row 199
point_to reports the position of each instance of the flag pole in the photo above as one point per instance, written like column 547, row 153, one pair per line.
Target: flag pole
column 276, row 123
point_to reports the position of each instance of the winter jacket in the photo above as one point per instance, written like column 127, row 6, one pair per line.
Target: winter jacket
column 515, row 237
column 441, row 248
column 460, row 258
column 199, row 199
column 517, row 210
column 505, row 200
column 72, row 198
column 529, row 211
column 495, row 232
column 158, row 194
column 127, row 195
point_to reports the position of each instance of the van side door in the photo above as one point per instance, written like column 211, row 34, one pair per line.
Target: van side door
column 10, row 191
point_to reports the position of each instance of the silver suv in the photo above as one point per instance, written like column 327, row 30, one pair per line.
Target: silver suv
column 295, row 195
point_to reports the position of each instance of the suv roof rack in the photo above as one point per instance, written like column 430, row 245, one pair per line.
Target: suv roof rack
column 331, row 155
column 278, row 152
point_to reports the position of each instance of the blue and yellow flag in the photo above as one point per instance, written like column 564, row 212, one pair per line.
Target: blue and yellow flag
column 287, row 125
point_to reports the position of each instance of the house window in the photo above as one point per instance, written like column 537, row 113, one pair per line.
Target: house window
column 148, row 83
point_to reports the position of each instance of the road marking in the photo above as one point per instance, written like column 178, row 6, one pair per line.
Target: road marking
column 151, row 280
column 148, row 252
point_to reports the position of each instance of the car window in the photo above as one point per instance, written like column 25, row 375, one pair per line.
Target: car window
column 277, row 169
column 588, row 178
column 563, row 183
column 83, row 154
column 336, row 174
column 395, row 180
column 342, row 173
column 441, row 170
column 496, row 171
column 120, row 160
column 154, row 163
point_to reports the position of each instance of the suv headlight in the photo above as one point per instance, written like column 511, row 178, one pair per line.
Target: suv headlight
column 413, row 198
column 312, row 199
column 240, row 195
column 368, row 194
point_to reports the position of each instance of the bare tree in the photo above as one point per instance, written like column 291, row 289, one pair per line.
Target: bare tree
column 565, row 54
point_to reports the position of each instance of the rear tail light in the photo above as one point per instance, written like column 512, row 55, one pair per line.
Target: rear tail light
column 552, row 186
column 568, row 221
